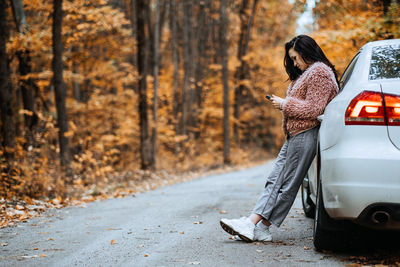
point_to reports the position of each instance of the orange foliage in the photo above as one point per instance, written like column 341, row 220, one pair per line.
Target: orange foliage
column 344, row 26
column 103, row 119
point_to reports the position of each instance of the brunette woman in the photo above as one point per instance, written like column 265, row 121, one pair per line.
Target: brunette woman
column 313, row 85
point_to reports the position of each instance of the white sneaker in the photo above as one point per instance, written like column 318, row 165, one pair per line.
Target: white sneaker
column 261, row 233
column 242, row 227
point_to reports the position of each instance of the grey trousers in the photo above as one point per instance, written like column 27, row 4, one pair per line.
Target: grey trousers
column 287, row 174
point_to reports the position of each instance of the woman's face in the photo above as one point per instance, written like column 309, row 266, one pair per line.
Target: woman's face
column 297, row 60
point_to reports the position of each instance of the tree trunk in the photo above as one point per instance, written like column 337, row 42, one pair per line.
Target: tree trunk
column 175, row 59
column 242, row 73
column 186, row 66
column 214, row 33
column 7, row 121
column 202, row 34
column 76, row 88
column 163, row 7
column 188, row 62
column 141, row 56
column 149, row 50
column 156, row 50
column 200, row 41
column 224, row 62
column 28, row 87
column 386, row 5
column 59, row 87
column 132, row 17
column 19, row 15
column 192, row 48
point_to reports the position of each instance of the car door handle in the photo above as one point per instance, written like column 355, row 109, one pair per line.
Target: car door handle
column 320, row 117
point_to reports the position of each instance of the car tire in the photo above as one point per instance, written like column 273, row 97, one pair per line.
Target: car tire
column 308, row 204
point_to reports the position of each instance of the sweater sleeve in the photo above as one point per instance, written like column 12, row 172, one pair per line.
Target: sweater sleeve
column 320, row 88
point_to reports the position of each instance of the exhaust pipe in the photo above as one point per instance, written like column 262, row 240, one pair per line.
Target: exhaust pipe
column 380, row 217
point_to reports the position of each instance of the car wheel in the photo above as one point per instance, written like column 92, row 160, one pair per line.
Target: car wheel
column 308, row 204
column 329, row 234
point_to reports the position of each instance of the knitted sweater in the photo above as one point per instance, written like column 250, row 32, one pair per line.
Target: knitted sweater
column 307, row 97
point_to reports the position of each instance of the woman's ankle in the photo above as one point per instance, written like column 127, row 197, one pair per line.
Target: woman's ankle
column 255, row 218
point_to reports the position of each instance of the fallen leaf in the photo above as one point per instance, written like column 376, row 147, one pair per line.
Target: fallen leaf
column 113, row 242
column 35, row 248
column 306, row 248
column 50, row 239
column 42, row 255
column 19, row 207
column 260, row 261
column 182, row 232
column 146, row 255
column 231, row 237
column 222, row 212
column 179, row 260
column 29, row 257
column 53, row 249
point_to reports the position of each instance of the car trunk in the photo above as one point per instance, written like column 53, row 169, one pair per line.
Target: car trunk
column 392, row 88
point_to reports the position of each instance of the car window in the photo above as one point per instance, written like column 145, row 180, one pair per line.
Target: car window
column 348, row 71
column 385, row 62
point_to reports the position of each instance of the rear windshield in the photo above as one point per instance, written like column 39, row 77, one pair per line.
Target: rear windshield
column 385, row 62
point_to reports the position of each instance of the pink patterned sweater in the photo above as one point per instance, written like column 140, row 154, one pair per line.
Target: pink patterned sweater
column 307, row 97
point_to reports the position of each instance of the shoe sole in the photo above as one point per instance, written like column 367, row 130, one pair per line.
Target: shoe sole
column 230, row 230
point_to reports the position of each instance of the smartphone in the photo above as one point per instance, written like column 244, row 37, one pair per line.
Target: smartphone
column 268, row 97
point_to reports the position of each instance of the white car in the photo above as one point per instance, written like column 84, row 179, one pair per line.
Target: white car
column 355, row 177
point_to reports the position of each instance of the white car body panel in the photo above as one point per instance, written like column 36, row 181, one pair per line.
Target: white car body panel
column 360, row 164
column 392, row 87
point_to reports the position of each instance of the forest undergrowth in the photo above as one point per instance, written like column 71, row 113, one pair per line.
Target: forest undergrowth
column 55, row 188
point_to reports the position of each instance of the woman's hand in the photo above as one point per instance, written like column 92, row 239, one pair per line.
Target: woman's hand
column 277, row 101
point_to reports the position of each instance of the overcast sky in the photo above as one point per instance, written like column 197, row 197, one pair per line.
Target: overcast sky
column 305, row 21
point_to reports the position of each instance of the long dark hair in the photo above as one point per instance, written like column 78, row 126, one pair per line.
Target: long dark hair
column 309, row 50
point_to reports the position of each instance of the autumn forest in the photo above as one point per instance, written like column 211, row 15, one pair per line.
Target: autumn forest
column 103, row 94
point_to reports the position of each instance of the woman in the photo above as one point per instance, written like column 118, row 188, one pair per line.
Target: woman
column 313, row 85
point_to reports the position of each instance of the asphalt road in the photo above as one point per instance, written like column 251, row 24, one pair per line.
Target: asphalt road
column 172, row 226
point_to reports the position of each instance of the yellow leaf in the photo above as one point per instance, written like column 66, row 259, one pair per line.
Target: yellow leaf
column 113, row 242
column 69, row 134
column 26, row 112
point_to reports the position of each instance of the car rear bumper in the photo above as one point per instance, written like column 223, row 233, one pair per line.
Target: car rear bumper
column 353, row 182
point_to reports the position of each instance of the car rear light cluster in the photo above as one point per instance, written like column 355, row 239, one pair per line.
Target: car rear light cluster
column 373, row 108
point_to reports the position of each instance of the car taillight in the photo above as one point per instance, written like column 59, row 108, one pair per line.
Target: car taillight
column 368, row 108
column 392, row 103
